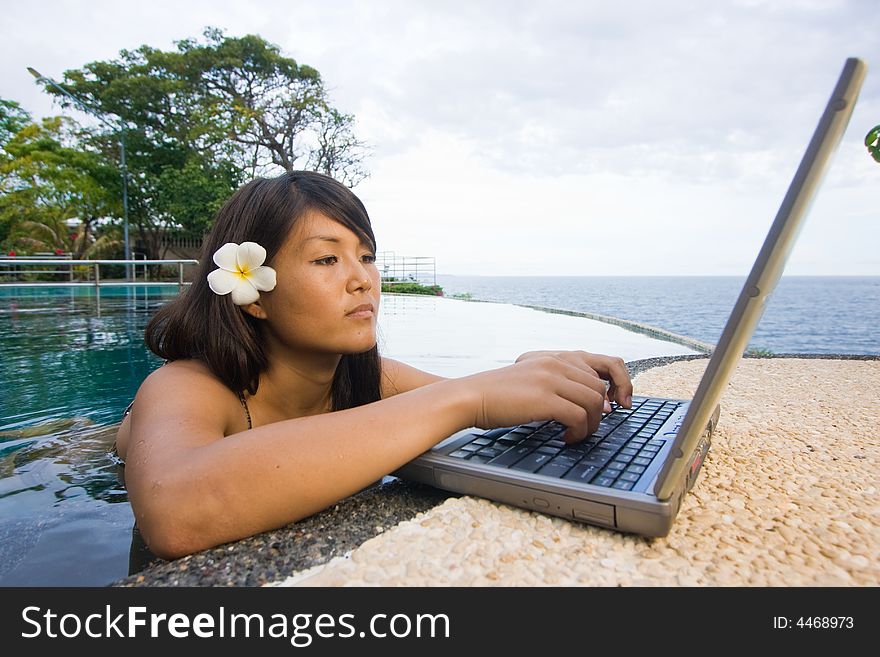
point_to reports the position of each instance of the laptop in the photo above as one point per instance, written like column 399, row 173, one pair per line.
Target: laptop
column 632, row 474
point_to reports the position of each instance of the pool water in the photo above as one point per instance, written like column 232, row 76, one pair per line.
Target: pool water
column 72, row 360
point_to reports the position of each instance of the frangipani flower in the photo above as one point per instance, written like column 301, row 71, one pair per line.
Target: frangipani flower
column 241, row 272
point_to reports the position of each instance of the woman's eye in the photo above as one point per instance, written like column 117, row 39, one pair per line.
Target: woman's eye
column 329, row 260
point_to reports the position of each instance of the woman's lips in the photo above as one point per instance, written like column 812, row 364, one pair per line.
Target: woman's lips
column 362, row 311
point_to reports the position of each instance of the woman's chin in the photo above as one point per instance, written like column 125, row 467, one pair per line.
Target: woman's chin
column 360, row 346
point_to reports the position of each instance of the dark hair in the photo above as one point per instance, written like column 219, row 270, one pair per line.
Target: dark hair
column 203, row 325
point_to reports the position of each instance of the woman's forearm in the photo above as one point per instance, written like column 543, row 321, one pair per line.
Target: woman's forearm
column 266, row 477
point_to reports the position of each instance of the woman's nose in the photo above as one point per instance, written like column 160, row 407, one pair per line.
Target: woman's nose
column 359, row 277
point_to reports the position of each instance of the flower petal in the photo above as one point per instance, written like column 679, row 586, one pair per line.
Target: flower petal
column 262, row 278
column 250, row 256
column 226, row 257
column 222, row 281
column 244, row 293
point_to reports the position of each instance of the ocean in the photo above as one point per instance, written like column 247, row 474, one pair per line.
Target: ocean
column 805, row 314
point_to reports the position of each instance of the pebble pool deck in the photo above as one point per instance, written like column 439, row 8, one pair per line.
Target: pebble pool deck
column 788, row 496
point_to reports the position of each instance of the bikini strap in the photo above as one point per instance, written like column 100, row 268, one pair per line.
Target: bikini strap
column 245, row 407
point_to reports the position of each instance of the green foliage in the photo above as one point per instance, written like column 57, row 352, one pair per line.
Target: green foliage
column 190, row 196
column 466, row 296
column 872, row 142
column 47, row 180
column 12, row 119
column 413, row 288
column 202, row 118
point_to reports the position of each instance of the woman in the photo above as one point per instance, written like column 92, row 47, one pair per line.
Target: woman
column 274, row 402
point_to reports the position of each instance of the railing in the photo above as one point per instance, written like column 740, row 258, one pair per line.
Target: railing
column 48, row 258
column 11, row 265
column 396, row 269
column 137, row 255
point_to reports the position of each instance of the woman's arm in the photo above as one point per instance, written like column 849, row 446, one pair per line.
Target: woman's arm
column 399, row 377
column 191, row 488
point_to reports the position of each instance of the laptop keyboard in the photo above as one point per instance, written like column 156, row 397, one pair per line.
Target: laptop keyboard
column 615, row 456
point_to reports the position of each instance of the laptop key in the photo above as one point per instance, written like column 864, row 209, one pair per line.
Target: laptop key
column 496, row 433
column 511, row 456
column 555, row 469
column 531, row 462
column 460, row 454
column 603, row 481
column 491, row 452
column 578, row 450
column 581, row 472
column 596, row 460
column 605, row 427
column 622, row 485
column 565, row 459
column 629, row 476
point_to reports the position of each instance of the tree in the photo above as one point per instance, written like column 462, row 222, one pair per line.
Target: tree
column 12, row 119
column 276, row 110
column 47, row 179
column 204, row 117
column 872, row 142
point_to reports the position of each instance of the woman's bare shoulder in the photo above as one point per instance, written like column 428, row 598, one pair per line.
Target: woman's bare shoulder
column 183, row 392
column 183, row 373
column 184, row 382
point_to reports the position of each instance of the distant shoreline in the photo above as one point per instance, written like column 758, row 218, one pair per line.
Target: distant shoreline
column 739, row 276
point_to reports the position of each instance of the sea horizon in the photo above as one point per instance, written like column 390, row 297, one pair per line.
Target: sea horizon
column 810, row 314
column 652, row 276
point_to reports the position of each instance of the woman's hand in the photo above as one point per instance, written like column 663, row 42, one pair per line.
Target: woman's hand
column 609, row 368
column 561, row 386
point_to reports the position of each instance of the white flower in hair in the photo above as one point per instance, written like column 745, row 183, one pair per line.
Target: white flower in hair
column 241, row 272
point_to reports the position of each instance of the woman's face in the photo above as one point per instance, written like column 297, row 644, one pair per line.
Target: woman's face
column 323, row 273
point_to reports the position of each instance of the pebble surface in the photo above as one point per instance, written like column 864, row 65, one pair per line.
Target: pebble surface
column 788, row 496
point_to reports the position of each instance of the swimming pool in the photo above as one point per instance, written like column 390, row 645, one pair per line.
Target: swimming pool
column 73, row 358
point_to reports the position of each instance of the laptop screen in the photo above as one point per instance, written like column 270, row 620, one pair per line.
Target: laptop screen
column 765, row 273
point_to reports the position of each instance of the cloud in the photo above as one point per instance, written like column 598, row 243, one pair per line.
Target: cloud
column 516, row 137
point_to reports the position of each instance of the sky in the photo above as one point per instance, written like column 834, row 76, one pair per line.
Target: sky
column 549, row 138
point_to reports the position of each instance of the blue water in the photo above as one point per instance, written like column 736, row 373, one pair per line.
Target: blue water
column 72, row 360
column 810, row 315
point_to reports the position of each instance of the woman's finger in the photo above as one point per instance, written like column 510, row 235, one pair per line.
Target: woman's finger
column 614, row 370
column 582, row 410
